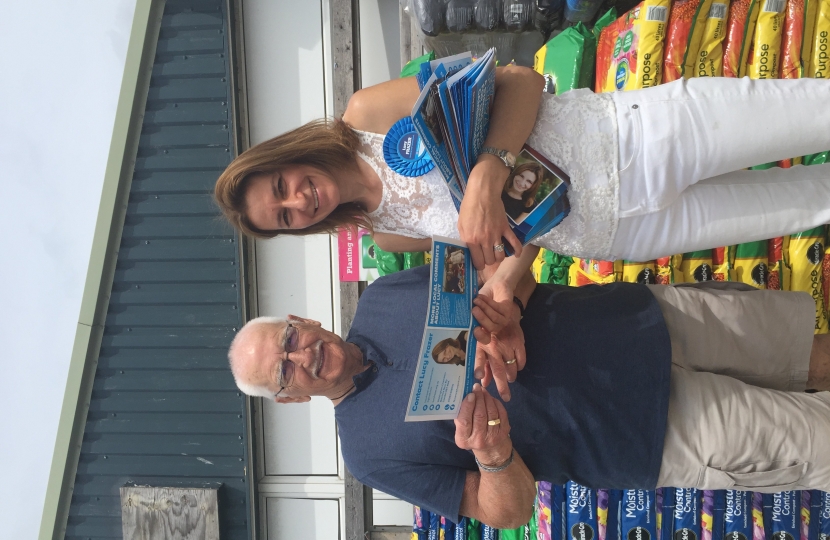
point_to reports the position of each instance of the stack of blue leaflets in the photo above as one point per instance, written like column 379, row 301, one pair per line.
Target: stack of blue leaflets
column 452, row 116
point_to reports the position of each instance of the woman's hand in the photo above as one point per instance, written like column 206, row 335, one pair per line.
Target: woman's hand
column 482, row 426
column 501, row 358
column 482, row 222
column 493, row 308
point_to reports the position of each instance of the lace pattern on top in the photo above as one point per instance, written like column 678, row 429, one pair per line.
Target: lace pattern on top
column 578, row 132
column 417, row 207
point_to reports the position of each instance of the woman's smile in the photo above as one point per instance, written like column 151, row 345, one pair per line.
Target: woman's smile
column 295, row 197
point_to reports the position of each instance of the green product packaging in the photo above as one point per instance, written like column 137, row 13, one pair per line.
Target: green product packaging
column 609, row 17
column 413, row 66
column 764, row 167
column 816, row 159
column 555, row 269
column 567, row 60
column 514, row 534
column 413, row 259
column 388, row 263
column 473, row 529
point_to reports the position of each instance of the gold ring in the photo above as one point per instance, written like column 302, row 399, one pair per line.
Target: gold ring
column 510, row 362
column 494, row 422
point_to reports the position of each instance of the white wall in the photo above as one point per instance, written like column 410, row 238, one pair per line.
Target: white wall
column 62, row 65
column 380, row 41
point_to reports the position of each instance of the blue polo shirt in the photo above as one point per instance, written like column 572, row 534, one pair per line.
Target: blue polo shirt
column 589, row 406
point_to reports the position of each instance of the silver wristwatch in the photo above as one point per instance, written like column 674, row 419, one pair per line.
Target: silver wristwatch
column 508, row 158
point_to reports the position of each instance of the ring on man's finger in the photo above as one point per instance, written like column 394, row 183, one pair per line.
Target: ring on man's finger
column 498, row 248
column 510, row 362
column 495, row 422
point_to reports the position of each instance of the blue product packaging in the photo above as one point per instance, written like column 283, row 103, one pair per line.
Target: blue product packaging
column 815, row 514
column 580, row 512
column 434, row 531
column 665, row 519
column 612, row 529
column 686, row 514
column 782, row 515
column 638, row 519
column 420, row 525
column 581, row 10
column 447, row 531
column 823, row 515
column 489, row 533
column 557, row 512
column 608, row 514
column 460, row 530
column 718, row 511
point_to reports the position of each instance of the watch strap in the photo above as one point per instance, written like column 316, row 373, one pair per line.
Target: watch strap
column 506, row 157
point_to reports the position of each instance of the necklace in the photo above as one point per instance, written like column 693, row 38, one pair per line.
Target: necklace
column 344, row 393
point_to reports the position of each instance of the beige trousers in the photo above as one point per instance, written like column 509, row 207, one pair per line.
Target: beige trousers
column 738, row 418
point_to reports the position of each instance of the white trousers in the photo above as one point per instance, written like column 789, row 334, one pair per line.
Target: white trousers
column 683, row 146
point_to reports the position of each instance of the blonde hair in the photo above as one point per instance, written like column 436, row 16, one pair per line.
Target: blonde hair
column 328, row 144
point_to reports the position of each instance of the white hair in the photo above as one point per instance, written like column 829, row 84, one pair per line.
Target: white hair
column 255, row 390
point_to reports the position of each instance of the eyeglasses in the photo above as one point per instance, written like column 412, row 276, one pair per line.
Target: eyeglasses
column 290, row 340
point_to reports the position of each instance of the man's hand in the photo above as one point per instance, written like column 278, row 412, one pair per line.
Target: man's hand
column 490, row 443
column 482, row 222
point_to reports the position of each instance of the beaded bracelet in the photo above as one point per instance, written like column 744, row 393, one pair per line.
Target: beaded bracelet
column 500, row 468
column 521, row 306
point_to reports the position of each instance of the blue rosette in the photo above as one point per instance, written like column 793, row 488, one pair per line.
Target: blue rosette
column 403, row 150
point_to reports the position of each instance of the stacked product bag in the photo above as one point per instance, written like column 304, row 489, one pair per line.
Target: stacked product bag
column 687, row 24
column 580, row 512
column 709, row 57
column 567, row 60
column 516, row 28
column 574, row 512
column 805, row 257
column 782, row 515
column 636, row 59
column 638, row 514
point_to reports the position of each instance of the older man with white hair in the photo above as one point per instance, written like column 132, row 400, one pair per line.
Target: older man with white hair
column 621, row 386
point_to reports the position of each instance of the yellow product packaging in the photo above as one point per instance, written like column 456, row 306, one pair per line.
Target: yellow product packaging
column 591, row 272
column 804, row 256
column 637, row 58
column 644, row 273
column 686, row 25
column 664, row 271
column 721, row 271
column 708, row 62
column 764, row 62
column 740, row 27
column 751, row 263
column 696, row 266
column 775, row 258
column 819, row 66
column 825, row 272
column 538, row 264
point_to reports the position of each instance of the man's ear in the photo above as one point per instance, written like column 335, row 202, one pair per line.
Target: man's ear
column 303, row 320
column 301, row 399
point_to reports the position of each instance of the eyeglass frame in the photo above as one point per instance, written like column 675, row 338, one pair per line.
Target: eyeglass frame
column 286, row 352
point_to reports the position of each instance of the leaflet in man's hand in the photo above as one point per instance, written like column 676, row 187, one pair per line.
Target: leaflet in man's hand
column 447, row 357
column 452, row 116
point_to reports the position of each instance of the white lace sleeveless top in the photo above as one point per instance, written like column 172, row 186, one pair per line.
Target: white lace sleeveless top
column 577, row 131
